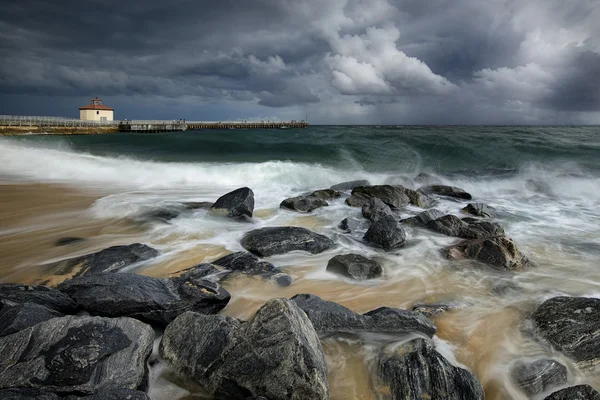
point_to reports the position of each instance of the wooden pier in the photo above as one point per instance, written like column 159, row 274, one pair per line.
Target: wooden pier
column 152, row 126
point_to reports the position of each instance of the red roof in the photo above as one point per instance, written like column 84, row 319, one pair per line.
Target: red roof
column 96, row 107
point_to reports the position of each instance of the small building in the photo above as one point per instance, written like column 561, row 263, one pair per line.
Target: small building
column 96, row 111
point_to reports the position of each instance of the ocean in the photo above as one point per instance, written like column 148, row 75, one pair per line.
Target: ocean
column 543, row 181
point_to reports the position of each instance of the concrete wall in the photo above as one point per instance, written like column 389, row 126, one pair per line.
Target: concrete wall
column 59, row 130
column 96, row 115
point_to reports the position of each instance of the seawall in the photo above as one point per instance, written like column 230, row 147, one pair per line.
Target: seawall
column 62, row 130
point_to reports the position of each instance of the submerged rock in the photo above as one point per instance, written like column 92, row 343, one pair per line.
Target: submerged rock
column 326, row 194
column 349, row 185
column 63, row 241
column 426, row 179
column 246, row 263
column 423, row 218
column 581, row 392
column 349, row 225
column 79, row 355
column 270, row 241
column 430, row 310
column 451, row 225
column 479, row 210
column 152, row 300
column 330, row 317
column 571, row 325
column 499, row 252
column 397, row 180
column 303, row 203
column 374, row 209
column 16, row 317
column 386, row 232
column 355, row 266
column 239, row 203
column 276, row 355
column 50, row 298
column 535, row 377
column 416, row 371
column 449, row 191
column 111, row 259
column 393, row 196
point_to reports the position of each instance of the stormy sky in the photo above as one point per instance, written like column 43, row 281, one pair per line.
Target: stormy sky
column 339, row 61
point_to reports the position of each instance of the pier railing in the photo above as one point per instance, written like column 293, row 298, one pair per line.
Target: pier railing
column 26, row 120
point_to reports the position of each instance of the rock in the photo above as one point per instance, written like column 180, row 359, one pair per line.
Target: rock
column 330, row 317
column 197, row 205
column 63, row 241
column 430, row 310
column 423, row 218
column 499, row 252
column 479, row 210
column 270, row 241
column 27, row 394
column 386, row 233
column 326, row 194
column 417, row 198
column 114, row 394
column 581, row 392
column 393, row 196
column 571, row 325
column 349, row 225
column 449, row 191
column 538, row 376
column 41, row 295
column 239, row 203
column 374, row 209
column 16, row 317
column 397, row 180
column 451, row 225
column 79, row 355
column 538, row 186
column 303, row 203
column 276, row 355
column 355, row 266
column 249, row 264
column 349, row 185
column 164, row 214
column 357, row 200
column 426, row 179
column 111, row 259
column 152, row 300
column 416, row 371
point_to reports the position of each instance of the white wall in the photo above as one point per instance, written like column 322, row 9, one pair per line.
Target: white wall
column 96, row 115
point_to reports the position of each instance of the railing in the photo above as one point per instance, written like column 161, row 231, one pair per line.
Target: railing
column 24, row 120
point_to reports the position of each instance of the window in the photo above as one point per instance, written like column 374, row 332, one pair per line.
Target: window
column 97, row 112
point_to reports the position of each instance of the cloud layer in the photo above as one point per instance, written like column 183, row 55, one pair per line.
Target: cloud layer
column 341, row 61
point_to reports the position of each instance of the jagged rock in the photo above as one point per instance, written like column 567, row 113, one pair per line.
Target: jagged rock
column 330, row 317
column 239, row 203
column 303, row 203
column 246, row 263
column 431, row 309
column 42, row 295
column 538, row 376
column 423, row 218
column 349, row 185
column 15, row 317
column 357, row 200
column 152, row 300
column 571, row 325
column 276, row 355
column 79, row 355
column 386, row 233
column 479, row 210
column 393, row 196
column 269, row 241
column 449, row 191
column 63, row 241
column 375, row 209
column 111, row 259
column 581, row 392
column 355, row 266
column 499, row 252
column 451, row 225
column 416, row 371
column 326, row 194
column 27, row 394
column 426, row 179
column 417, row 198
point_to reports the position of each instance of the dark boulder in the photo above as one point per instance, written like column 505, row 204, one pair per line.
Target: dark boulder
column 416, row 371
column 535, row 377
column 326, row 194
column 449, row 191
column 113, row 394
column 355, row 266
column 329, row 317
column 386, row 232
column 571, row 325
column 374, row 209
column 303, row 203
column 16, row 317
column 451, row 225
column 239, row 203
column 27, row 394
column 349, row 185
column 417, row 198
column 50, row 298
column 423, row 218
column 499, row 252
column 357, row 200
column 276, row 355
column 479, row 210
column 393, row 196
column 246, row 263
column 270, row 241
column 152, row 300
column 426, row 179
column 78, row 355
column 581, row 392
column 111, row 259
column 63, row 241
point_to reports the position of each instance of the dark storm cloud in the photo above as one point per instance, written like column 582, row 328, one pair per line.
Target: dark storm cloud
column 376, row 61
